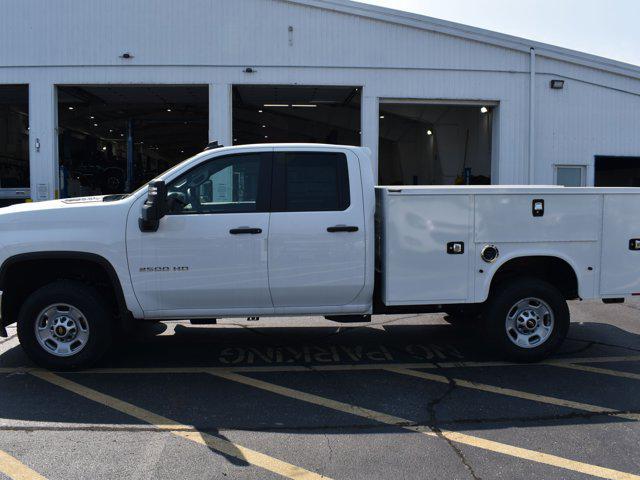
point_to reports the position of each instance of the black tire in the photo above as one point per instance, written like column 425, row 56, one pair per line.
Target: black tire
column 500, row 304
column 95, row 312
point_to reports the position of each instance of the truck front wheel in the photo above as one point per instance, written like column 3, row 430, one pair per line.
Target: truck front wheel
column 526, row 319
column 65, row 325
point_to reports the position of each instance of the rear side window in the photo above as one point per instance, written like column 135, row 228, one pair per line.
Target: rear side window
column 310, row 182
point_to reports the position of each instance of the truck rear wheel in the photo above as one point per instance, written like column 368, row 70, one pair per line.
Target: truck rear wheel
column 527, row 319
column 65, row 325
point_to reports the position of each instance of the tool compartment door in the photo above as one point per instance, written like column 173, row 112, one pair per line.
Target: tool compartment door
column 417, row 265
column 620, row 265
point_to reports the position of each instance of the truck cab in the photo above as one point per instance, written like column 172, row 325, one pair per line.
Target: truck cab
column 257, row 231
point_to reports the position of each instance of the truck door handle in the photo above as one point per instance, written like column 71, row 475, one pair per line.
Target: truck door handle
column 245, row 230
column 342, row 228
column 455, row 248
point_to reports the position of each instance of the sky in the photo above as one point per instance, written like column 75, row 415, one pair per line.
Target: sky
column 607, row 28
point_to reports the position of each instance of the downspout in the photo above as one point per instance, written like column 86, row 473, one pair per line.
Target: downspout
column 532, row 114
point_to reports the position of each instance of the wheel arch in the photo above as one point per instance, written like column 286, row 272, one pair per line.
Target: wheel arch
column 556, row 269
column 20, row 266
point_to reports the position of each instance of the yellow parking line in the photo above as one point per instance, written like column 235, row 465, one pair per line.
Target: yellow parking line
column 335, row 367
column 617, row 358
column 489, row 445
column 184, row 431
column 515, row 393
column 603, row 371
column 17, row 470
column 354, row 366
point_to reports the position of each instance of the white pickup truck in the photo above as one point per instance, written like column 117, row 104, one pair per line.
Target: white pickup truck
column 296, row 229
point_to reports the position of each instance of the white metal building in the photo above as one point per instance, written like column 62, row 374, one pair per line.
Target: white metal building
column 98, row 96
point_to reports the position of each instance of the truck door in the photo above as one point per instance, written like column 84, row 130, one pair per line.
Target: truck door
column 209, row 255
column 317, row 234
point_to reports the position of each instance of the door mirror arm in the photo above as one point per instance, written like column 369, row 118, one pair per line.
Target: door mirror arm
column 154, row 207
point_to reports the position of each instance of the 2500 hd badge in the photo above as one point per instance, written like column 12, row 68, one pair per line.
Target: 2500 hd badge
column 164, row 269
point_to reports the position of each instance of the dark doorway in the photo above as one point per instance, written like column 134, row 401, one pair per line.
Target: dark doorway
column 434, row 144
column 292, row 113
column 112, row 139
column 617, row 171
column 14, row 137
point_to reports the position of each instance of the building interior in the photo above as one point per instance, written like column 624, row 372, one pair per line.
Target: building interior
column 434, row 144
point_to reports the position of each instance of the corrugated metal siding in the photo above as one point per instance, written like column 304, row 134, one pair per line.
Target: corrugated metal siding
column 580, row 121
column 585, row 74
column 226, row 32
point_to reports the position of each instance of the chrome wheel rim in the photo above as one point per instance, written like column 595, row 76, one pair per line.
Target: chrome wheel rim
column 62, row 330
column 529, row 322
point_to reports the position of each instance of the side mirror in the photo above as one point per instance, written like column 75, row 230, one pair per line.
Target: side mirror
column 154, row 208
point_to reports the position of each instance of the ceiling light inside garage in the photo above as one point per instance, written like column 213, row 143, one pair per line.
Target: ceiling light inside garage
column 484, row 109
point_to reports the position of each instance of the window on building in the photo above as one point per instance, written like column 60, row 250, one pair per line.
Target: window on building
column 14, row 138
column 310, row 182
column 617, row 171
column 570, row 175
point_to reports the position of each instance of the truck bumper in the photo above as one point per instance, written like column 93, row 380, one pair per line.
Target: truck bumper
column 3, row 330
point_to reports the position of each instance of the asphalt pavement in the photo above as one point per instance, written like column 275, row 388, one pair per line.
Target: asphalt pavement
column 405, row 396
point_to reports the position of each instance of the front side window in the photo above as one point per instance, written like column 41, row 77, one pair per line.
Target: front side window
column 223, row 185
column 310, row 182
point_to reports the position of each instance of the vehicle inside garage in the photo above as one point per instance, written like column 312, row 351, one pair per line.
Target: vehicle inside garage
column 112, row 139
column 14, row 136
column 434, row 144
column 291, row 113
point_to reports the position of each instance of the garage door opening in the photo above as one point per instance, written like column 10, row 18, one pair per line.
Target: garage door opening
column 617, row 171
column 112, row 139
column 290, row 113
column 14, row 140
column 434, row 144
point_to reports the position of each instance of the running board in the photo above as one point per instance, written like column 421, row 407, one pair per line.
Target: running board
column 348, row 318
column 203, row 321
